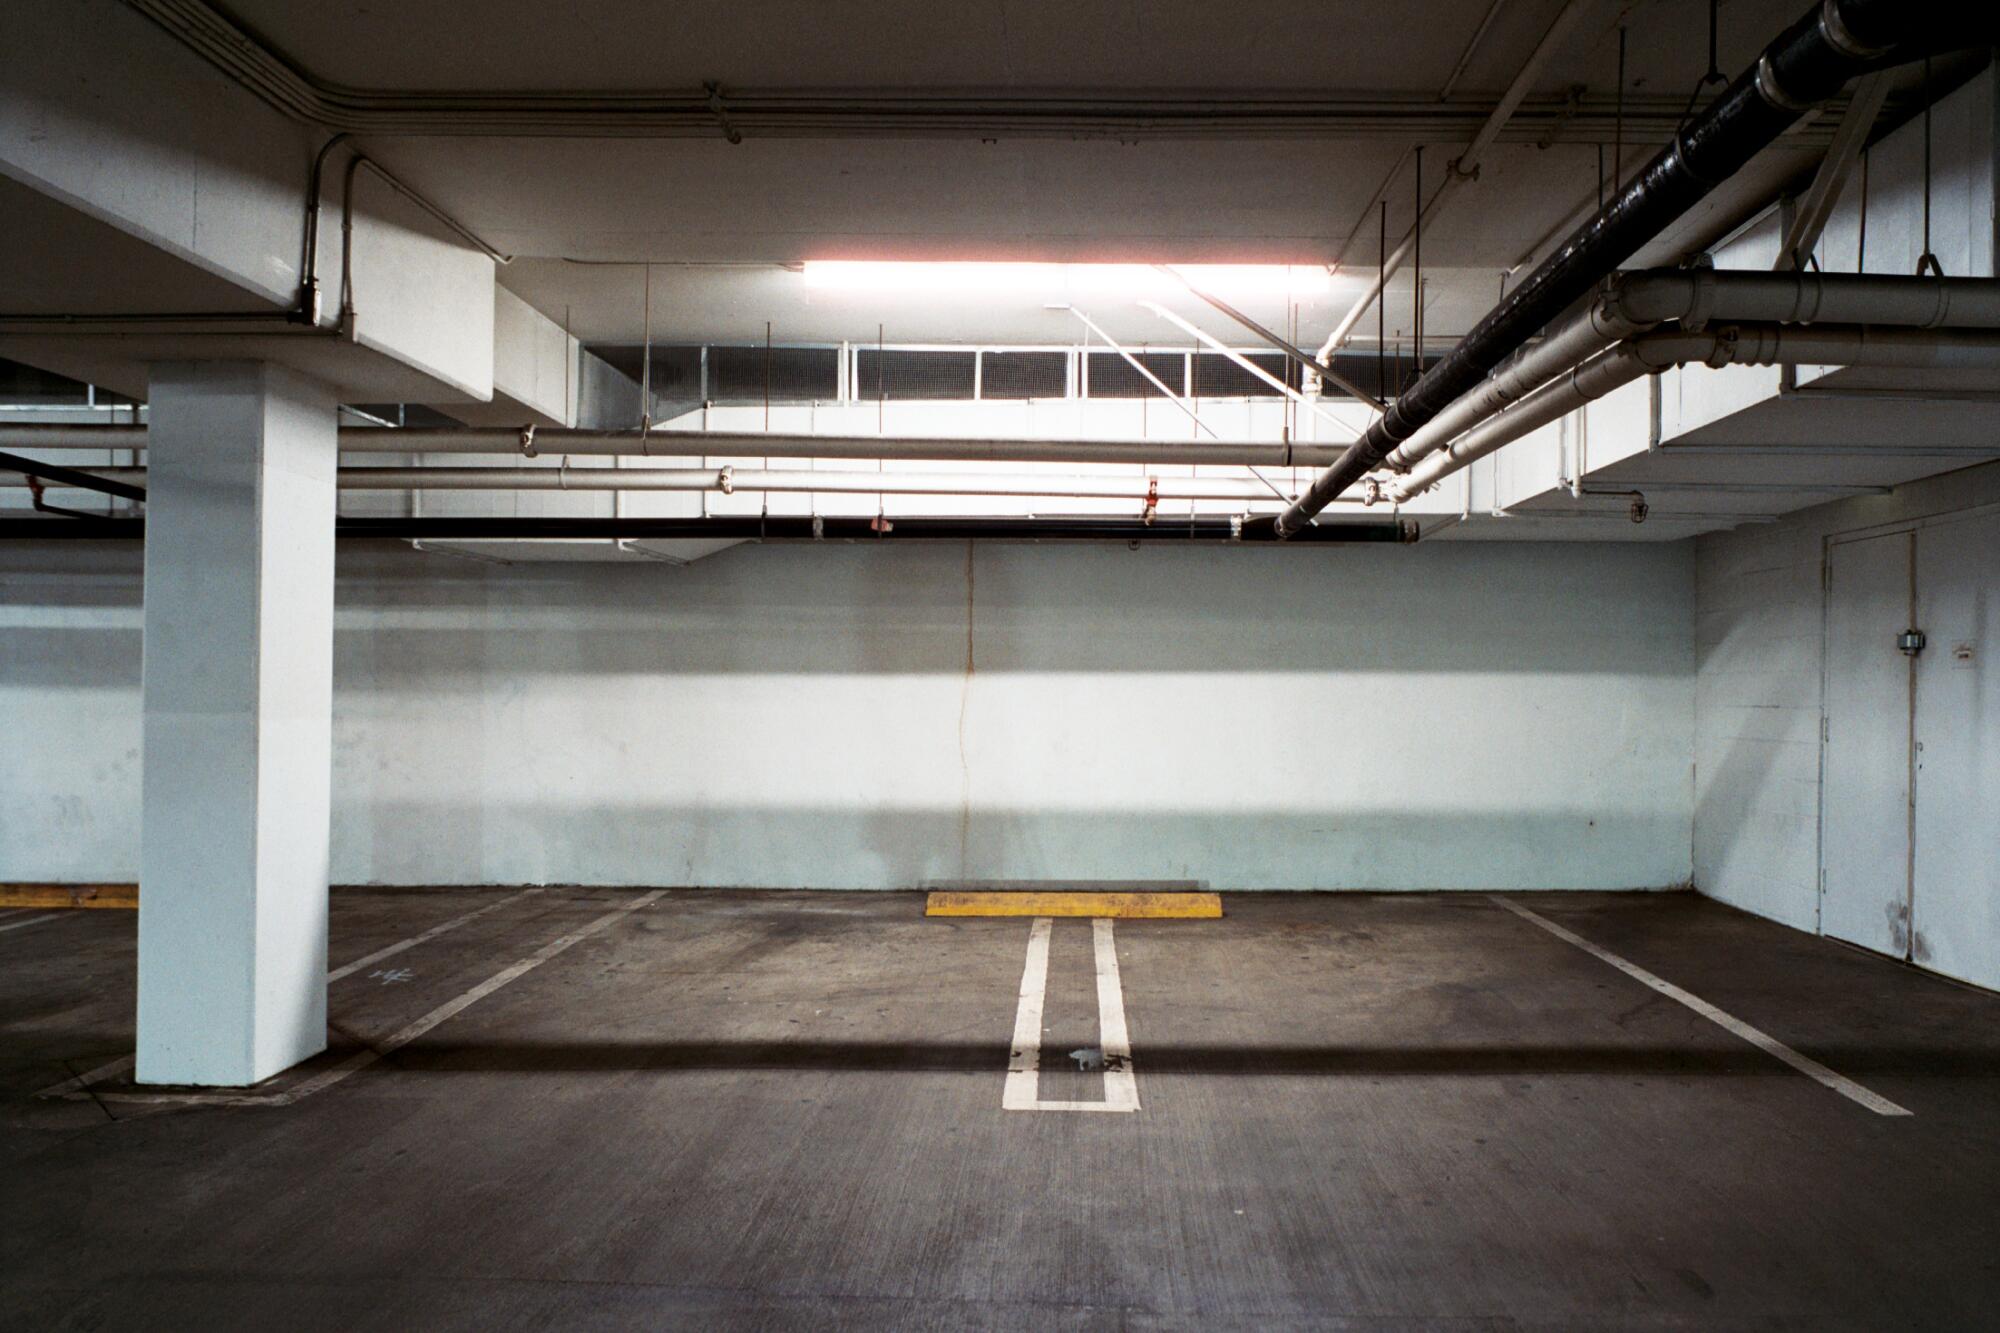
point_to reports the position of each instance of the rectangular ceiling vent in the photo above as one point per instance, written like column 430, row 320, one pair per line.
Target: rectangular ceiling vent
column 1018, row 375
column 783, row 374
column 1216, row 376
column 1112, row 376
column 902, row 374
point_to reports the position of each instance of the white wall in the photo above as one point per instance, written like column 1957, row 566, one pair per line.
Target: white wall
column 1494, row 716
column 1759, row 650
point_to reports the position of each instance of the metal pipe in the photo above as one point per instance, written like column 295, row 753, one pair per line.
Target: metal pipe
column 767, row 528
column 1590, row 332
column 738, row 444
column 1465, row 167
column 307, row 311
column 727, row 480
column 1596, row 377
column 1806, row 65
column 1703, row 295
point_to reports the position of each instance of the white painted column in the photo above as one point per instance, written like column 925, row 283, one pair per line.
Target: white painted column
column 238, row 698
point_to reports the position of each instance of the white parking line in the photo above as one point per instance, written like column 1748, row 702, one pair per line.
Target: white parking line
column 401, row 1037
column 1024, row 1062
column 410, row 1032
column 351, row 968
column 1770, row 1045
column 31, row 921
column 124, row 1062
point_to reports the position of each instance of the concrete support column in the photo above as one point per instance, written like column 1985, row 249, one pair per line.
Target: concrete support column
column 238, row 699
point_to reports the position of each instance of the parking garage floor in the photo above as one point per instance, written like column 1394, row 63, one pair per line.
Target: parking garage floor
column 603, row 1108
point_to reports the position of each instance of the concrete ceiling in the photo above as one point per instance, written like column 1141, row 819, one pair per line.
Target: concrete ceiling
column 708, row 206
column 640, row 45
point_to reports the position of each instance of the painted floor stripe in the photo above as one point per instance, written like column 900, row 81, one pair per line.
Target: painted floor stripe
column 31, row 921
column 402, row 1036
column 124, row 1062
column 443, row 928
column 410, row 1032
column 1024, row 1058
column 1121, row 1087
column 1764, row 1042
column 1024, row 1062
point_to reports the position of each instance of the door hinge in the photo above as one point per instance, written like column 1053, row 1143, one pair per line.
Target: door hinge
column 1911, row 641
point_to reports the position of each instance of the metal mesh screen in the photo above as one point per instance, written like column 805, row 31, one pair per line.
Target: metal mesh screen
column 1111, row 376
column 1023, row 374
column 906, row 374
column 792, row 374
column 1216, row 376
column 731, row 374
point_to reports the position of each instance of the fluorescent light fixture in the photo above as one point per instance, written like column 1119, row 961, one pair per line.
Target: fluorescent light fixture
column 1045, row 283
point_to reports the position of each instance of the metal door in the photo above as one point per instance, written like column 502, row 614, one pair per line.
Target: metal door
column 1865, row 800
column 1955, row 889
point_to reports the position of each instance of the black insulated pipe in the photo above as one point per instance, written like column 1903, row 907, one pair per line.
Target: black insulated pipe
column 1806, row 65
column 788, row 528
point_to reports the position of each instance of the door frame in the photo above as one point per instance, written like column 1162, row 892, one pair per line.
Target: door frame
column 1827, row 542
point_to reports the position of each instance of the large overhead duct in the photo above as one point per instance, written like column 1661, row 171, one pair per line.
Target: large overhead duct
column 1645, row 300
column 1733, row 345
column 1806, row 65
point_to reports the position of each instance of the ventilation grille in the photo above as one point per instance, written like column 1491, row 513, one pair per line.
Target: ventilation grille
column 1111, row 376
column 1016, row 375
column 783, row 374
column 895, row 374
column 1216, row 376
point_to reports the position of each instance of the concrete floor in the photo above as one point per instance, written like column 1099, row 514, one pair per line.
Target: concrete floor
column 784, row 1109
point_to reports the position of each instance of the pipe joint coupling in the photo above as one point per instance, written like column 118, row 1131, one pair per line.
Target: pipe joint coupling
column 725, row 481
column 1773, row 92
column 1701, row 300
column 1840, row 37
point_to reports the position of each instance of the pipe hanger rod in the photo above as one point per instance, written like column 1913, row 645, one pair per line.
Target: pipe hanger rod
column 1463, row 168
